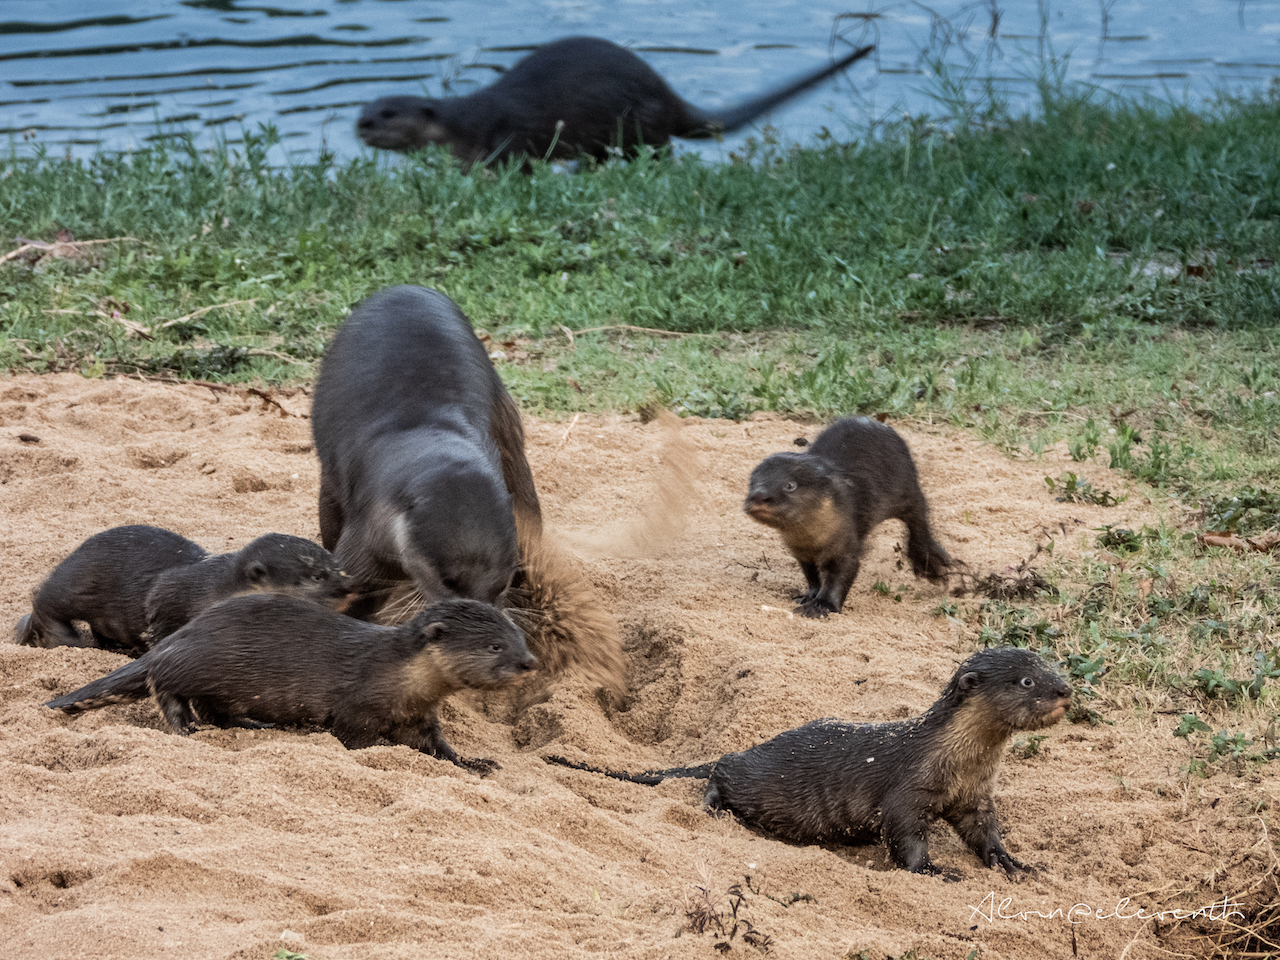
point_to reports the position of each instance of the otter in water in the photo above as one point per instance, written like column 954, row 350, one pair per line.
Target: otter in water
column 826, row 500
column 831, row 781
column 280, row 660
column 423, row 474
column 579, row 95
column 136, row 584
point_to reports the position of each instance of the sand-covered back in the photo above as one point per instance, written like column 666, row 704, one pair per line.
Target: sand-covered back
column 122, row 840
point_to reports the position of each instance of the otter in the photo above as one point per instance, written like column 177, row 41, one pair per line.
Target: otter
column 576, row 96
column 832, row 782
column 423, row 474
column 137, row 584
column 827, row 499
column 263, row 659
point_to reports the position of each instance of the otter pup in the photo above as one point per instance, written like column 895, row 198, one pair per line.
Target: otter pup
column 579, row 95
column 830, row 781
column 283, row 660
column 137, row 584
column 422, row 465
column 826, row 500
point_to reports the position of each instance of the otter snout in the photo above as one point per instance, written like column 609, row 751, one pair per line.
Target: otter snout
column 760, row 507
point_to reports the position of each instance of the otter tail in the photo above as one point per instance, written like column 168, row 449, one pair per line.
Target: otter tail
column 710, row 123
column 927, row 557
column 649, row 778
column 125, row 685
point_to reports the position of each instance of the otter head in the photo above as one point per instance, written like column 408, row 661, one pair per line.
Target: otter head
column 458, row 536
column 280, row 563
column 1017, row 690
column 475, row 644
column 402, row 123
column 787, row 488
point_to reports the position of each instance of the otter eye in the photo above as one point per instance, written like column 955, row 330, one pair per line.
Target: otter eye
column 1028, row 682
column 788, row 486
column 317, row 577
column 495, row 648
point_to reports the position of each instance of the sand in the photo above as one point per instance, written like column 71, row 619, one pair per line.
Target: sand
column 122, row 840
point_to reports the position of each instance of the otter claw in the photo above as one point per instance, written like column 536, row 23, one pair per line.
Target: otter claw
column 478, row 765
column 814, row 609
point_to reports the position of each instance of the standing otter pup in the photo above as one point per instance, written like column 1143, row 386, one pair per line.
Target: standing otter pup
column 579, row 95
column 421, row 452
column 835, row 782
column 282, row 660
column 825, row 501
column 137, row 584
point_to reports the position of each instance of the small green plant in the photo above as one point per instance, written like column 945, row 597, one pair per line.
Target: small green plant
column 1231, row 749
column 1028, row 747
column 1252, row 510
column 1119, row 539
column 1072, row 489
column 1121, row 449
column 1084, row 446
column 1215, row 683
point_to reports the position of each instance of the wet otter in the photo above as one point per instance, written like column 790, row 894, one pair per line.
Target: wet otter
column 422, row 461
column 825, row 501
column 579, row 95
column 137, row 584
column 830, row 781
column 282, row 660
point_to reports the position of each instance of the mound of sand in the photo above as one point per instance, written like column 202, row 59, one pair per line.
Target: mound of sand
column 121, row 840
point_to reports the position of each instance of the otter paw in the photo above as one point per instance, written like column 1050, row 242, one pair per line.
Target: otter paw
column 478, row 765
column 931, row 869
column 1014, row 869
column 814, row 609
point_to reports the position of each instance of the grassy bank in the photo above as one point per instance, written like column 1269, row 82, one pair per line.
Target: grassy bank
column 1102, row 275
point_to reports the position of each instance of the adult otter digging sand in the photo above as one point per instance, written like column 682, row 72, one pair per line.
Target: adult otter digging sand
column 421, row 451
column 423, row 478
column 281, row 660
column 835, row 782
column 825, row 501
column 136, row 584
column 579, row 95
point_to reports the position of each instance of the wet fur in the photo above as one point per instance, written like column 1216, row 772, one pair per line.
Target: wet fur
column 136, row 584
column 421, row 452
column 280, row 660
column 831, row 781
column 826, row 501
column 579, row 95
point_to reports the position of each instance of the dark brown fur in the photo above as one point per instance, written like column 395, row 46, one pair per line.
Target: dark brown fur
column 825, row 501
column 136, row 584
column 281, row 660
column 832, row 782
column 579, row 95
column 423, row 475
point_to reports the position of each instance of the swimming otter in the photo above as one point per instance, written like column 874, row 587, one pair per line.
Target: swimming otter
column 423, row 474
column 826, row 500
column 831, row 781
column 579, row 95
column 282, row 660
column 137, row 584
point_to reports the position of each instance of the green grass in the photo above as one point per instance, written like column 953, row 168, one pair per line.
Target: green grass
column 1102, row 273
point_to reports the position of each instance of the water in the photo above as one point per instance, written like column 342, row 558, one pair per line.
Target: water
column 85, row 75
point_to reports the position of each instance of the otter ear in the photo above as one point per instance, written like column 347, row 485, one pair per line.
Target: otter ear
column 968, row 681
column 428, row 113
column 257, row 572
column 431, row 633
